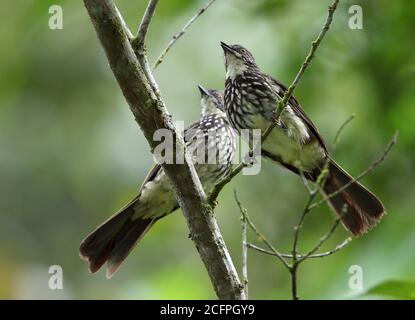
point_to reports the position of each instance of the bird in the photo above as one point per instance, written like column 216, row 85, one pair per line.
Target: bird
column 211, row 144
column 251, row 98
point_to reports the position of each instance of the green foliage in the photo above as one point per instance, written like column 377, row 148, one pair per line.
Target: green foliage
column 395, row 289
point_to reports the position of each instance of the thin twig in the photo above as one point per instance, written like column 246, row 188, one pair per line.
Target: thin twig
column 340, row 130
column 178, row 35
column 314, row 46
column 244, row 247
column 300, row 225
column 325, row 237
column 371, row 167
column 260, row 236
column 223, row 182
column 317, row 255
column 145, row 23
column 313, row 193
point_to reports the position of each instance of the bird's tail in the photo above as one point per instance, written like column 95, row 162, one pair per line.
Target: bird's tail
column 113, row 240
column 362, row 208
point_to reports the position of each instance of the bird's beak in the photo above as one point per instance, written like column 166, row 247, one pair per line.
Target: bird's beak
column 228, row 49
column 203, row 91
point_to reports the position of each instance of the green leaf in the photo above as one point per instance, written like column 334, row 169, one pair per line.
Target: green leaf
column 400, row 289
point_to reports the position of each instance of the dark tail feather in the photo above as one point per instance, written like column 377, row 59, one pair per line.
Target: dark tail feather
column 112, row 241
column 364, row 209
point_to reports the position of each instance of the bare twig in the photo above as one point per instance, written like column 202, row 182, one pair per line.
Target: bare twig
column 326, row 236
column 371, row 167
column 299, row 256
column 296, row 258
column 321, row 179
column 259, row 235
column 134, row 77
column 178, row 35
column 300, row 225
column 313, row 193
column 244, row 246
column 340, row 130
column 314, row 46
column 145, row 22
column 219, row 186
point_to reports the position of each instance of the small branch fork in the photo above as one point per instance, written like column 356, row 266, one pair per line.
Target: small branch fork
column 311, row 256
column 295, row 257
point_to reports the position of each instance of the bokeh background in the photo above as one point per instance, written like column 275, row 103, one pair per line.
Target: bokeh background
column 71, row 153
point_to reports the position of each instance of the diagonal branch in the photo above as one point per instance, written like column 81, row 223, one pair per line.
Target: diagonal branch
column 314, row 46
column 369, row 169
column 313, row 193
column 178, row 35
column 145, row 22
column 311, row 256
column 322, row 239
column 244, row 245
column 259, row 235
column 140, row 90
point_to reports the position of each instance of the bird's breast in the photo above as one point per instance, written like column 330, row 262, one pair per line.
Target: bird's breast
column 249, row 107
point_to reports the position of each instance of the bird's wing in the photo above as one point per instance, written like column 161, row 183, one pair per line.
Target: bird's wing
column 156, row 169
column 295, row 106
column 190, row 131
column 150, row 177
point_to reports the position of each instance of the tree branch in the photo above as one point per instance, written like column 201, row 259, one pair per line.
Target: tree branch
column 145, row 22
column 314, row 46
column 141, row 92
column 244, row 245
column 371, row 167
column 259, row 235
column 311, row 256
column 323, row 239
column 178, row 35
column 313, row 192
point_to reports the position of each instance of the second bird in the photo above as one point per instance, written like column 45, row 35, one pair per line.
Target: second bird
column 251, row 98
column 211, row 144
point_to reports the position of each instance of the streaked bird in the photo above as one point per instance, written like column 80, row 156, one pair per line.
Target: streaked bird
column 251, row 98
column 211, row 142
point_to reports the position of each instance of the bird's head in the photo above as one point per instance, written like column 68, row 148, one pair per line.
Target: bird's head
column 237, row 59
column 211, row 101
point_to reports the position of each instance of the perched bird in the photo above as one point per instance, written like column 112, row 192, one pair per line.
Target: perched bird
column 251, row 97
column 211, row 142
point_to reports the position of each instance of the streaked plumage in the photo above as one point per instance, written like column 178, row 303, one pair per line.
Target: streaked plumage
column 251, row 98
column 213, row 139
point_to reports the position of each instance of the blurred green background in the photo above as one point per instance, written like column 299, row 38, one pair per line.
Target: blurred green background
column 72, row 154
